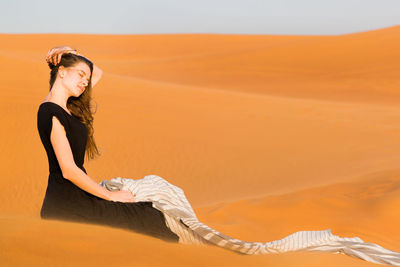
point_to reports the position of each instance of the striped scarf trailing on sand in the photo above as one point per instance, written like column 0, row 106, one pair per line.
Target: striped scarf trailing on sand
column 181, row 219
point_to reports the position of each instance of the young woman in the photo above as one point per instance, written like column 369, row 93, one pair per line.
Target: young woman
column 65, row 125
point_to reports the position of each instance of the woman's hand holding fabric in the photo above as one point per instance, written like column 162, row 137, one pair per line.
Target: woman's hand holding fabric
column 122, row 196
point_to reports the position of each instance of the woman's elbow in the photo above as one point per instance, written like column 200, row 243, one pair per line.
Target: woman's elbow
column 69, row 171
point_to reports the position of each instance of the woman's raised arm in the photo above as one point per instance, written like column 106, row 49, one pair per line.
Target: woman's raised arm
column 96, row 75
column 54, row 57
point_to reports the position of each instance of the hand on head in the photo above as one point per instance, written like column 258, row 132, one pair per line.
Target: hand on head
column 54, row 55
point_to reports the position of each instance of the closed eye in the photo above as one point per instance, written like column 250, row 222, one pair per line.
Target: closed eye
column 83, row 75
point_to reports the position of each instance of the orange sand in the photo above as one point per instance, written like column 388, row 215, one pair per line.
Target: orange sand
column 267, row 135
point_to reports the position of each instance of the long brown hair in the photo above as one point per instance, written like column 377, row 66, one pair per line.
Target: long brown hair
column 80, row 107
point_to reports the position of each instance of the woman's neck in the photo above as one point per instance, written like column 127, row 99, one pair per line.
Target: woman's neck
column 57, row 95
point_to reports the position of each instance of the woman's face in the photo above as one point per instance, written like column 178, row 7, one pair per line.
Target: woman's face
column 75, row 78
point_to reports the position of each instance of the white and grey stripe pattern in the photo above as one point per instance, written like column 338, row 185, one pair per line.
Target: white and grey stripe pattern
column 181, row 219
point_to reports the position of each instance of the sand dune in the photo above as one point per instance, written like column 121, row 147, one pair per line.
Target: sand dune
column 267, row 135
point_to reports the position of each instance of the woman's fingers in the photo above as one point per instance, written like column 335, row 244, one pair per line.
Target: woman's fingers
column 130, row 200
column 129, row 196
column 49, row 54
column 54, row 55
column 54, row 59
column 123, row 196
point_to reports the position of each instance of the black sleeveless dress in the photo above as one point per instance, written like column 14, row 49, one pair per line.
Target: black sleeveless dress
column 66, row 201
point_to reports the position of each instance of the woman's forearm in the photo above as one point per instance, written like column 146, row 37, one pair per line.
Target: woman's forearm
column 96, row 75
column 82, row 180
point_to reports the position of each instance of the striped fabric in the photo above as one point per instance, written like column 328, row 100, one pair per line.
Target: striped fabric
column 182, row 220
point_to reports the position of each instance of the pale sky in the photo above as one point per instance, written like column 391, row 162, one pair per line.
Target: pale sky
column 301, row 17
